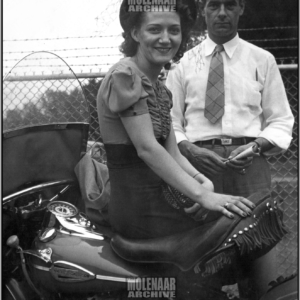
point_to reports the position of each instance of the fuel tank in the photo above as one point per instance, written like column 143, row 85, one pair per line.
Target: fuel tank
column 65, row 263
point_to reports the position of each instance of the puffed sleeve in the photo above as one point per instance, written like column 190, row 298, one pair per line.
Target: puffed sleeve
column 127, row 96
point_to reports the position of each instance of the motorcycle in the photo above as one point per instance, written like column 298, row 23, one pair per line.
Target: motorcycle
column 53, row 249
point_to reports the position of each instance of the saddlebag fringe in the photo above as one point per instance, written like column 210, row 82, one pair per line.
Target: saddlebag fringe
column 257, row 238
column 268, row 230
column 217, row 263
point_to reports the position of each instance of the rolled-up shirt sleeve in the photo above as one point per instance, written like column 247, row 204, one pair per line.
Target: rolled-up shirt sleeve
column 278, row 118
column 175, row 83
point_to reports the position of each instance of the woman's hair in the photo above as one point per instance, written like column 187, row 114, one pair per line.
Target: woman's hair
column 187, row 11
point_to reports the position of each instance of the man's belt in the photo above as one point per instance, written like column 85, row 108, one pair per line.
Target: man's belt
column 226, row 141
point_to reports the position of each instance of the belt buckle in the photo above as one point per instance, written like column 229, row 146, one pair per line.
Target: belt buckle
column 226, row 141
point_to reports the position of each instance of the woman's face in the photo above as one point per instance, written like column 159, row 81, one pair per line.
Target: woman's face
column 159, row 37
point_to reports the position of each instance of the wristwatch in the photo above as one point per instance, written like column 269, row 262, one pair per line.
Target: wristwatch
column 258, row 149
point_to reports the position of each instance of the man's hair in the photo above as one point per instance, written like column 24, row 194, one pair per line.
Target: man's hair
column 203, row 2
column 202, row 27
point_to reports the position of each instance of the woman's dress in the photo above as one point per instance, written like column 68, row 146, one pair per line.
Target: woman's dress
column 137, row 208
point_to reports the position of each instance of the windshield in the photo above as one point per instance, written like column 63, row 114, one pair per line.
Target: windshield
column 42, row 89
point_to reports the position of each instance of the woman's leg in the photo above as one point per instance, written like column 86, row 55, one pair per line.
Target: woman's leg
column 263, row 271
column 256, row 275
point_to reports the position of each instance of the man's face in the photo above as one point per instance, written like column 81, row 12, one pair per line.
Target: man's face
column 222, row 17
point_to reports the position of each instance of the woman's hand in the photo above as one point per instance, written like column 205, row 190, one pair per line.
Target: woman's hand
column 227, row 204
column 206, row 183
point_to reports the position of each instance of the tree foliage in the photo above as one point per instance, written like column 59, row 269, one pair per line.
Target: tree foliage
column 90, row 91
column 52, row 106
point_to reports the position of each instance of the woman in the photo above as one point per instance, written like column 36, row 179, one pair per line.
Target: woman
column 144, row 162
column 142, row 154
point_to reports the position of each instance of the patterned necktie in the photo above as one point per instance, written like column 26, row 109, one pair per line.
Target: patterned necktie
column 215, row 93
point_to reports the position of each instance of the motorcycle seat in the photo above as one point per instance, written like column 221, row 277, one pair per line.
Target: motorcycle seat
column 179, row 249
column 209, row 247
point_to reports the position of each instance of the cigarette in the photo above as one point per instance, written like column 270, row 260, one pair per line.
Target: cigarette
column 250, row 152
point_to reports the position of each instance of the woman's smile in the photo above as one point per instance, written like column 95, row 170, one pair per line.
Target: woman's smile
column 163, row 50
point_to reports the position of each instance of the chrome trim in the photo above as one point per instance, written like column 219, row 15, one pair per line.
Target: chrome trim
column 47, row 235
column 87, row 235
column 36, row 188
column 44, row 254
column 118, row 279
column 11, row 293
column 60, row 193
column 74, row 266
column 63, row 209
column 79, row 224
column 40, row 267
column 64, row 271
column 99, row 277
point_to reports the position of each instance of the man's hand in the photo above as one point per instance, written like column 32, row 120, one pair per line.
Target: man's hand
column 240, row 165
column 206, row 161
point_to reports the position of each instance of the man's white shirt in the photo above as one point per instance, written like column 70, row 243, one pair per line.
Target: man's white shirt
column 256, row 104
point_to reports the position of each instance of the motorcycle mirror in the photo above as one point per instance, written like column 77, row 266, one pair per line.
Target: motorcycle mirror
column 13, row 242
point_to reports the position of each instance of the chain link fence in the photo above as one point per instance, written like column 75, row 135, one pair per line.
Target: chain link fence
column 284, row 169
column 29, row 97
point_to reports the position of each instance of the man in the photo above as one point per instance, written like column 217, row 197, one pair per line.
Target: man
column 226, row 99
column 250, row 109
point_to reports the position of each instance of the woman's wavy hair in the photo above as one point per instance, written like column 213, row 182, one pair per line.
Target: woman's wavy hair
column 187, row 10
